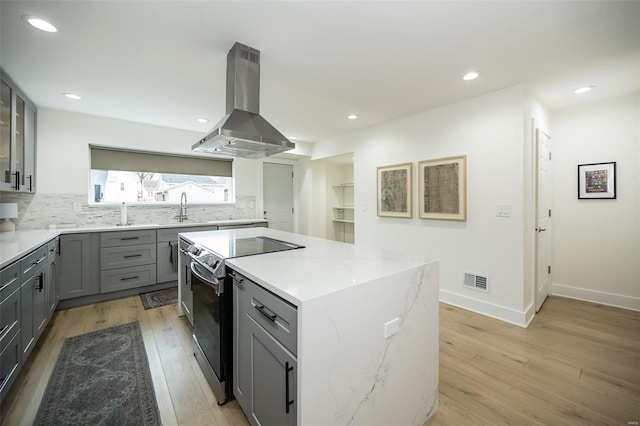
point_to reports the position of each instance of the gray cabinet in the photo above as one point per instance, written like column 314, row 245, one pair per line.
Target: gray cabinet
column 79, row 270
column 184, row 281
column 127, row 260
column 33, row 311
column 17, row 138
column 52, row 294
column 167, row 249
column 10, row 353
column 265, row 364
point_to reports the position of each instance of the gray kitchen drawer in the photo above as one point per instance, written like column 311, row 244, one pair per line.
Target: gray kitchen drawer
column 171, row 234
column 125, row 278
column 9, row 280
column 53, row 249
column 10, row 360
column 127, row 256
column 275, row 315
column 31, row 262
column 127, row 238
column 9, row 318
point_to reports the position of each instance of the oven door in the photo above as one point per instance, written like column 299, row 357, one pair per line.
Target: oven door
column 211, row 322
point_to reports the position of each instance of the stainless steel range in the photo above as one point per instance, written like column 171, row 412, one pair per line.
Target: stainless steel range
column 212, row 304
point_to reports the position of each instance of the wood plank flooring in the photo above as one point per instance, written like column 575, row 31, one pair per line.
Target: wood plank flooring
column 577, row 363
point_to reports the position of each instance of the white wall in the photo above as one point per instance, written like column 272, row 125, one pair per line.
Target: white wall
column 63, row 149
column 490, row 130
column 596, row 243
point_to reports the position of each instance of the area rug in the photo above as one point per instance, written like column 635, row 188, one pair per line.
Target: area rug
column 101, row 378
column 155, row 299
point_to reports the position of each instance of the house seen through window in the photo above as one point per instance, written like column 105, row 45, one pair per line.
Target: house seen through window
column 129, row 176
column 114, row 186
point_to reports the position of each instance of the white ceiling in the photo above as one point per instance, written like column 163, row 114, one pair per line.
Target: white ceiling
column 163, row 62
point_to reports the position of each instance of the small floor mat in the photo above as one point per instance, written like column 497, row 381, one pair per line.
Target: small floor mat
column 155, row 299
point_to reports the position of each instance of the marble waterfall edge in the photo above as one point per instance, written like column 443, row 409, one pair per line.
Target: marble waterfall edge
column 351, row 374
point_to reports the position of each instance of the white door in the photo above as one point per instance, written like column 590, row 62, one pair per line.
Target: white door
column 277, row 191
column 543, row 220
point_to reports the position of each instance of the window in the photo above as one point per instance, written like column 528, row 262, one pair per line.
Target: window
column 144, row 177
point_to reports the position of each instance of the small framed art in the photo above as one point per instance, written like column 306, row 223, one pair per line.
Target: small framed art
column 597, row 181
column 443, row 188
column 394, row 190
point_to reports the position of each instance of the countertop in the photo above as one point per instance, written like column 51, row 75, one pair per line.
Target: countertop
column 321, row 268
column 16, row 244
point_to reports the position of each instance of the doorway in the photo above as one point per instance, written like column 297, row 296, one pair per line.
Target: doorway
column 277, row 191
column 543, row 218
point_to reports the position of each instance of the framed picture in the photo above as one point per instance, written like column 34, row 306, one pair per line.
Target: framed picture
column 443, row 188
column 394, row 190
column 597, row 181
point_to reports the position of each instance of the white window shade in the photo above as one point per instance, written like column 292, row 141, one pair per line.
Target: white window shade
column 127, row 160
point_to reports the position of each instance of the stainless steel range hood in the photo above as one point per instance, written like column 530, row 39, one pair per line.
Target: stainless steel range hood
column 242, row 132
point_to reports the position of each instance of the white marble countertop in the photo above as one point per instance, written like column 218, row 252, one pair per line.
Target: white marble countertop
column 322, row 267
column 16, row 244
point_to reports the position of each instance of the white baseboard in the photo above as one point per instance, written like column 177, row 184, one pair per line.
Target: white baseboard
column 509, row 315
column 595, row 296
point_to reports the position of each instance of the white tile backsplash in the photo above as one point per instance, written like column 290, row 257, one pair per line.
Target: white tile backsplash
column 38, row 211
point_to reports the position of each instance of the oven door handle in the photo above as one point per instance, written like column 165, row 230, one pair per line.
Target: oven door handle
column 215, row 284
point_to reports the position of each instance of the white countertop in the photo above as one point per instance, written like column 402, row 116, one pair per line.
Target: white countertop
column 16, row 244
column 321, row 268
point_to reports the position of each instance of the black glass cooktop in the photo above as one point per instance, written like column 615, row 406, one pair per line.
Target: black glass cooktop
column 259, row 245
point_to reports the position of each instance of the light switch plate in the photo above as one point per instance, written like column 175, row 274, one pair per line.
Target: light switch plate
column 503, row 210
column 77, row 207
column 391, row 327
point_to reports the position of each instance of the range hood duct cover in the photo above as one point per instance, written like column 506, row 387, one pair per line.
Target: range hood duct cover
column 243, row 132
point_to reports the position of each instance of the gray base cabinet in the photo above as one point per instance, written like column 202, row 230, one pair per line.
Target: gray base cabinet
column 265, row 364
column 52, row 294
column 79, row 270
column 127, row 260
column 184, row 282
column 10, row 353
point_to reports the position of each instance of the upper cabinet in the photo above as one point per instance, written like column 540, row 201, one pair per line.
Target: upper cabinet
column 17, row 139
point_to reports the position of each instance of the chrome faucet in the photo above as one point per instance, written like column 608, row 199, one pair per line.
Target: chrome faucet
column 183, row 206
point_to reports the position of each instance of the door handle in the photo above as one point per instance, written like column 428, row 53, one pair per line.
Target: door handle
column 540, row 229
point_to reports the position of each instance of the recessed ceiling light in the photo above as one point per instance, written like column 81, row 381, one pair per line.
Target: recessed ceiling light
column 293, row 138
column 73, row 96
column 40, row 24
column 584, row 89
column 352, row 116
column 471, row 76
column 202, row 120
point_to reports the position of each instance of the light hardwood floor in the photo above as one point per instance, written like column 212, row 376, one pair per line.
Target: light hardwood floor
column 577, row 363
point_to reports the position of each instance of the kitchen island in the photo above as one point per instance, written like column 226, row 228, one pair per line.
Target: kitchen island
column 348, row 298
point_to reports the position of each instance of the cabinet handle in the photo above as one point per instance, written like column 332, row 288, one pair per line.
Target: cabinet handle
column 263, row 311
column 128, row 256
column 286, row 386
column 17, row 187
column 30, row 183
column 40, row 282
column 3, row 330
column 128, row 238
column 2, row 381
column 128, row 278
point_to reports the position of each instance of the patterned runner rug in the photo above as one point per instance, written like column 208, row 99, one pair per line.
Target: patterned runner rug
column 155, row 299
column 102, row 378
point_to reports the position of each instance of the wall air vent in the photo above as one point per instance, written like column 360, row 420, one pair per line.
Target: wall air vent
column 475, row 281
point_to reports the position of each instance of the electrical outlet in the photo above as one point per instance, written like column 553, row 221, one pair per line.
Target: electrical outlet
column 391, row 327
